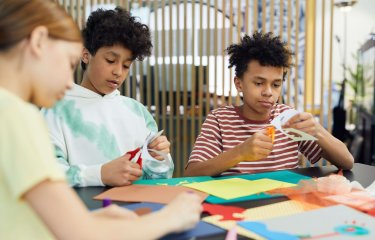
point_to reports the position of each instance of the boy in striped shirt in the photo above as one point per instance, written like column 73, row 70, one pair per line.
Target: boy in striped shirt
column 235, row 139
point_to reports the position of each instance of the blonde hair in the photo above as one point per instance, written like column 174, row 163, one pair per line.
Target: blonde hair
column 18, row 18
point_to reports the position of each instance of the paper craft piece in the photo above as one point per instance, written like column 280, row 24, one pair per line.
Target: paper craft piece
column 283, row 175
column 283, row 118
column 230, row 224
column 261, row 229
column 227, row 212
column 264, row 212
column 336, row 222
column 292, row 133
column 202, row 229
column 173, row 181
column 146, row 193
column 361, row 200
column 297, row 135
column 140, row 208
column 279, row 209
column 151, row 137
column 237, row 187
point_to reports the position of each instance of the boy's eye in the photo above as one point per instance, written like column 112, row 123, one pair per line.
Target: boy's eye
column 258, row 83
column 110, row 61
column 126, row 66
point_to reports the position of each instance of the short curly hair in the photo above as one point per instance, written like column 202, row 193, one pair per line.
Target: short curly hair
column 110, row 27
column 262, row 47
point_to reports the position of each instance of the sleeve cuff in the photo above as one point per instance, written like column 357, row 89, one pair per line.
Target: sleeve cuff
column 91, row 176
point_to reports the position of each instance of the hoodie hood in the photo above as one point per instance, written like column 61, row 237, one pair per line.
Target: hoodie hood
column 81, row 92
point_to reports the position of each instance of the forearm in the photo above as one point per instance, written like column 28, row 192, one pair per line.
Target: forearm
column 334, row 150
column 119, row 228
column 67, row 218
column 214, row 166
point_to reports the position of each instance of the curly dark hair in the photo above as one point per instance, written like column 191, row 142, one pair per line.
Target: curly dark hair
column 110, row 27
column 262, row 47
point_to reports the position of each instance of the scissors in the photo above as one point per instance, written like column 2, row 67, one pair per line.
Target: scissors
column 134, row 152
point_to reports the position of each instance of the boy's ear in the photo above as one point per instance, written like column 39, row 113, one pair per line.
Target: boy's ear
column 85, row 55
column 38, row 40
column 238, row 84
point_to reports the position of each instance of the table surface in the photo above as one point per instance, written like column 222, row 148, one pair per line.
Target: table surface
column 364, row 174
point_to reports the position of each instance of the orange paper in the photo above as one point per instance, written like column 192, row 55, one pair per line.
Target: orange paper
column 147, row 193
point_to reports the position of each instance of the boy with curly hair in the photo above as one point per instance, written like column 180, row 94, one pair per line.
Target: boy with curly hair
column 94, row 126
column 235, row 139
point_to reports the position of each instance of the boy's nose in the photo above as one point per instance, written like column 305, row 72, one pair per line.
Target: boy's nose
column 117, row 71
column 267, row 91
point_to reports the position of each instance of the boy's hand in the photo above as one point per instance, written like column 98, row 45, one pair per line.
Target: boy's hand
column 256, row 147
column 120, row 172
column 160, row 144
column 304, row 122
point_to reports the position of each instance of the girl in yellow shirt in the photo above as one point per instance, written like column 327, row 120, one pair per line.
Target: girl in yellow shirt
column 40, row 46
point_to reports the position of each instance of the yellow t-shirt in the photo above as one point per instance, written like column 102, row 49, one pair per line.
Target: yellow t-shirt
column 26, row 159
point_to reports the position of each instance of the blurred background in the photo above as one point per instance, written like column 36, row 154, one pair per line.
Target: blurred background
column 187, row 75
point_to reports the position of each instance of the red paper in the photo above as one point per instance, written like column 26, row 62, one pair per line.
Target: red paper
column 225, row 211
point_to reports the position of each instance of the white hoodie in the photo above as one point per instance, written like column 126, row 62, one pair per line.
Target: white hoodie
column 89, row 130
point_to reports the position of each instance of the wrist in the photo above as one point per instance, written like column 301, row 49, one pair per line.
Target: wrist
column 164, row 222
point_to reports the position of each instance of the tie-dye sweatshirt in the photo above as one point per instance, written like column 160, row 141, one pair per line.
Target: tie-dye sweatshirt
column 89, row 130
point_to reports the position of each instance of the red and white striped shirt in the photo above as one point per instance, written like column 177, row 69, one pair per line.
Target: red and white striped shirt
column 225, row 128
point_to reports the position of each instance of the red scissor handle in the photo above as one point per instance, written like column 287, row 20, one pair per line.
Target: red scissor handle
column 133, row 153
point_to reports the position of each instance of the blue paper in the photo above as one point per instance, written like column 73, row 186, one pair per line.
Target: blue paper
column 261, row 229
column 202, row 229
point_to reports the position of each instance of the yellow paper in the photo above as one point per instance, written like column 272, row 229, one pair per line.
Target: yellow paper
column 277, row 210
column 237, row 187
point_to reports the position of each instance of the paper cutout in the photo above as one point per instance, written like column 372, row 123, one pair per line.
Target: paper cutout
column 297, row 135
column 279, row 209
column 227, row 212
column 146, row 193
column 283, row 118
column 202, row 229
column 335, row 221
column 284, row 208
column 230, row 224
column 145, row 151
column 237, row 187
column 261, row 229
column 292, row 133
column 142, row 211
column 360, row 200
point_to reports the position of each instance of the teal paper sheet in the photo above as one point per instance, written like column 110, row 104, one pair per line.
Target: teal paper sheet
column 284, row 175
column 174, row 181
